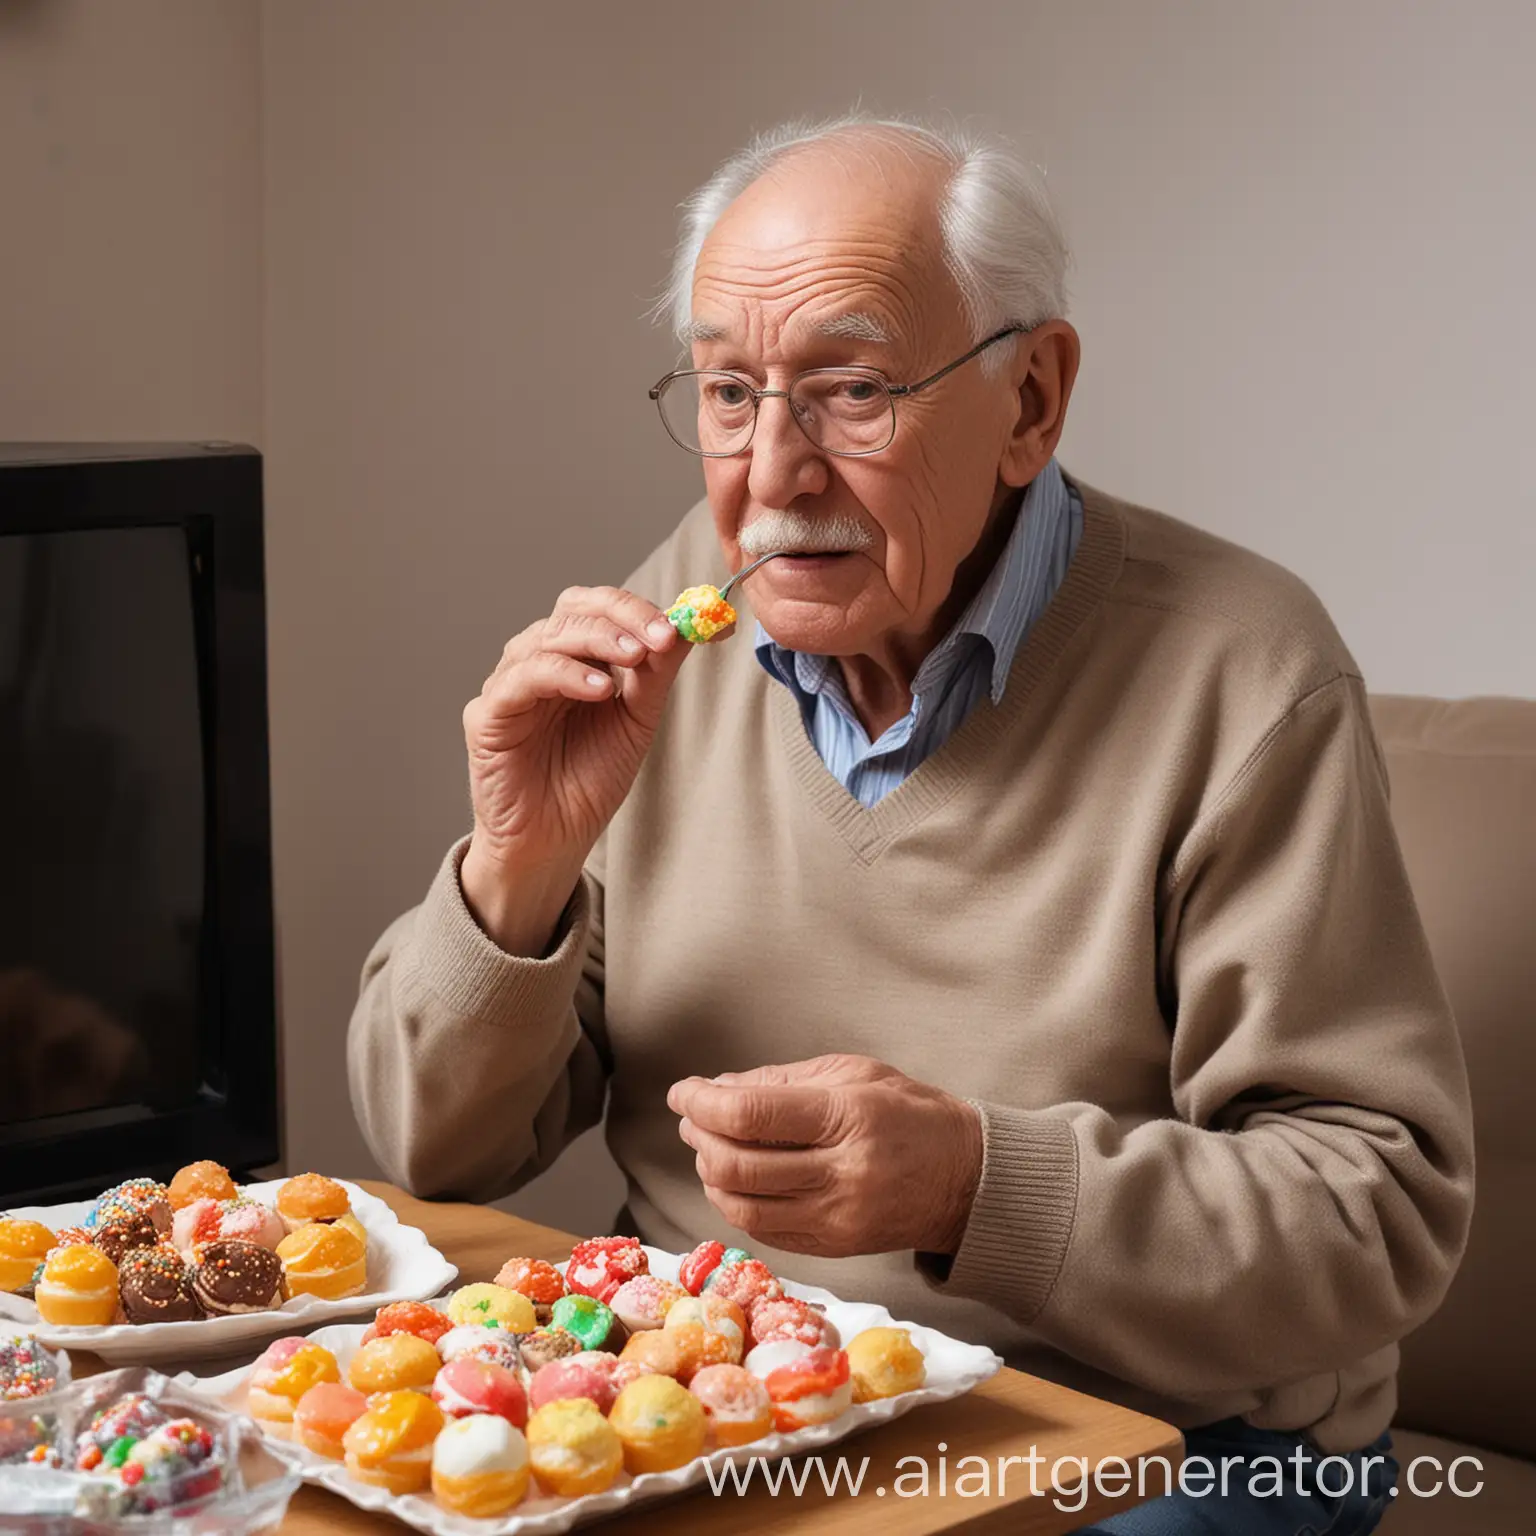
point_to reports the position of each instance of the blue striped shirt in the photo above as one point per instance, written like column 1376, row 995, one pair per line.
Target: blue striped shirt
column 973, row 659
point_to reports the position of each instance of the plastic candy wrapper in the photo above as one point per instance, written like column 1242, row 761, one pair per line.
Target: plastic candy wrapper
column 700, row 613
column 133, row 1453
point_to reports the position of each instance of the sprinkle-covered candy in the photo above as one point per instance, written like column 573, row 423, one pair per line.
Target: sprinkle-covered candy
column 27, row 1369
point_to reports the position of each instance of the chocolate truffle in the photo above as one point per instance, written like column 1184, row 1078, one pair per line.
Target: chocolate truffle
column 116, row 1238
column 235, row 1276
column 544, row 1345
column 155, row 1286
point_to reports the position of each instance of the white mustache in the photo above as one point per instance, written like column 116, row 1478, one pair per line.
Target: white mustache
column 794, row 532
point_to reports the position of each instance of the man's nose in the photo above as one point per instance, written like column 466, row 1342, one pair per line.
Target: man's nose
column 785, row 463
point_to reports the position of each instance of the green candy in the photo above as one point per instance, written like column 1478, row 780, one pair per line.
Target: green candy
column 117, row 1452
column 681, row 617
column 585, row 1318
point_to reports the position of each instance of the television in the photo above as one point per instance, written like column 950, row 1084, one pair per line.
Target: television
column 138, row 1025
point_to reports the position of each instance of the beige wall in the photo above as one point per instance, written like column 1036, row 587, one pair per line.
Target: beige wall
column 130, row 220
column 1304, row 238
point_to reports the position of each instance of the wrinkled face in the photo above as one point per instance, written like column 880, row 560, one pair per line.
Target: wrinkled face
column 836, row 260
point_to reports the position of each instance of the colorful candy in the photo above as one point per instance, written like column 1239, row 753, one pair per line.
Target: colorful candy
column 700, row 613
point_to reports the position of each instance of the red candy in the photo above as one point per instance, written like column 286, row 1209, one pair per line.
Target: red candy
column 786, row 1317
column 699, row 1265
column 600, row 1265
column 746, row 1282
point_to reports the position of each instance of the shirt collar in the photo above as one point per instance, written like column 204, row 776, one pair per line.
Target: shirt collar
column 998, row 615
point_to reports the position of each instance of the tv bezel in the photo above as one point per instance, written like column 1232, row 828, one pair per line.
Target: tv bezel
column 213, row 491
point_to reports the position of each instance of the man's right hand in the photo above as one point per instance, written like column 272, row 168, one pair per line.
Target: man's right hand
column 555, row 740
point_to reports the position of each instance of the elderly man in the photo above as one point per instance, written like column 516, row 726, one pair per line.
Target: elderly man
column 1011, row 929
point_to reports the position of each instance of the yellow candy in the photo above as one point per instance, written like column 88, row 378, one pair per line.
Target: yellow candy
column 486, row 1303
column 660, row 1424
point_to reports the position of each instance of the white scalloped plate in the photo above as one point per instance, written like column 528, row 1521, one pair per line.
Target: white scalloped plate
column 402, row 1266
column 953, row 1369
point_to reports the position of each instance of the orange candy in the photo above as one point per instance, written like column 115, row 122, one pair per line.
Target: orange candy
column 540, row 1282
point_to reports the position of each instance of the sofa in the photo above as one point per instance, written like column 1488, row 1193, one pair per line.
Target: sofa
column 1463, row 779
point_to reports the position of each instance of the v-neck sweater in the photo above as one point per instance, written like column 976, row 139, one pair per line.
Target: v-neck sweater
column 1148, row 913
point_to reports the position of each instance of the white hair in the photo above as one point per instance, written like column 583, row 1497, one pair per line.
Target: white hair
column 1002, row 242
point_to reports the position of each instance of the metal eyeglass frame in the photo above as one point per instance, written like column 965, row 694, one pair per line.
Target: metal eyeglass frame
column 895, row 391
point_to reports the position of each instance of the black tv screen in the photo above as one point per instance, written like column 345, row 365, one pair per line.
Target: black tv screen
column 137, row 1025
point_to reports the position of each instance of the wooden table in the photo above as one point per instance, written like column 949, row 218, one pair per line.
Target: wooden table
column 1012, row 1415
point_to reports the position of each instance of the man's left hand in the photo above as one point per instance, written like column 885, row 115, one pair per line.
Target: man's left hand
column 835, row 1156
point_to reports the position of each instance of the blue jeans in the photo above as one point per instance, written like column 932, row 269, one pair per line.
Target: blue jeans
column 1265, row 1495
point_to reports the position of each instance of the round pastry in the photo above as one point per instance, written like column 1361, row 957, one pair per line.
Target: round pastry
column 787, row 1317
column 486, row 1303
column 544, row 1346
column 205, row 1180
column 324, row 1414
column 573, row 1378
column 767, row 1358
column 600, row 1265
column 408, row 1317
column 661, row 1425
column 390, row 1446
column 194, row 1226
column 311, row 1197
column 811, row 1390
column 233, row 1277
column 884, row 1362
column 23, row 1246
column 129, row 1197
column 589, row 1320
column 699, row 1265
column 354, row 1226
column 744, row 1281
column 698, row 1347
column 483, row 1343
column 154, row 1285
column 323, row 1260
column 399, row 1363
column 480, row 1466
column 574, row 1450
column 120, row 1237
column 643, row 1302
column 718, row 1316
column 667, row 1351
column 468, row 1385
column 287, row 1369
column 541, row 1283
column 735, row 1402
column 700, row 613
column 249, row 1221
column 27, row 1369
column 78, row 1288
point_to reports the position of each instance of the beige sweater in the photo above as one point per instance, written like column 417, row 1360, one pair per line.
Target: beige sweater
column 1149, row 912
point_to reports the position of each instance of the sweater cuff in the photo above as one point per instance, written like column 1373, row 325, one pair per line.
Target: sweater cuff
column 1021, row 1220
column 476, row 979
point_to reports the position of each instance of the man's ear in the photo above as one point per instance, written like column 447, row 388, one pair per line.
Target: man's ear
column 1043, row 370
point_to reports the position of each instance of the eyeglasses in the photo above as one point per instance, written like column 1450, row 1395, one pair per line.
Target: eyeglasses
column 850, row 412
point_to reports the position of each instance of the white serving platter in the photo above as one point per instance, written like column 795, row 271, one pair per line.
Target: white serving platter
column 402, row 1266
column 953, row 1369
